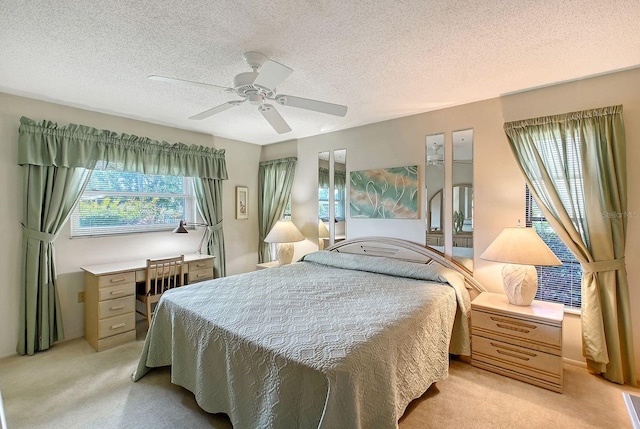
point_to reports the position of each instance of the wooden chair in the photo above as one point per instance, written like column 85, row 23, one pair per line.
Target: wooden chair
column 161, row 275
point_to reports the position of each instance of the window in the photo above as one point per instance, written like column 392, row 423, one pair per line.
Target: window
column 557, row 284
column 117, row 202
column 287, row 210
column 323, row 203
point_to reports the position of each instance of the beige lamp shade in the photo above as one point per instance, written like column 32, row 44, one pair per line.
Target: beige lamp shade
column 323, row 233
column 283, row 233
column 521, row 249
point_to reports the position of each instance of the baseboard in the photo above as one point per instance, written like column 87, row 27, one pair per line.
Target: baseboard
column 574, row 362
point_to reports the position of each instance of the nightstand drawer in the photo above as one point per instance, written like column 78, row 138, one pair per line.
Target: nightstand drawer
column 522, row 360
column 498, row 325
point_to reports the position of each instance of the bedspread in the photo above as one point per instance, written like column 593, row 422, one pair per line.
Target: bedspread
column 323, row 343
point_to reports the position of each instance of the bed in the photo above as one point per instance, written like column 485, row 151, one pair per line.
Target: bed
column 344, row 338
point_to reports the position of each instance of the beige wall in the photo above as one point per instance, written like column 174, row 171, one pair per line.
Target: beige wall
column 240, row 235
column 498, row 193
column 498, row 184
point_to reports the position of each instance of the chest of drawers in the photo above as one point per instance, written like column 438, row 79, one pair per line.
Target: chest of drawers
column 110, row 318
column 110, row 297
column 521, row 342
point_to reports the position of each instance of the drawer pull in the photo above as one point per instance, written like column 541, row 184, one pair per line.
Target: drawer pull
column 510, row 351
column 513, row 355
column 118, row 307
column 513, row 328
column 118, row 280
column 201, row 265
column 117, row 292
column 118, row 326
column 519, row 326
column 202, row 275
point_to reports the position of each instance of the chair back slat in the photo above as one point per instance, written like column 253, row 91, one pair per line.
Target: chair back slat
column 161, row 275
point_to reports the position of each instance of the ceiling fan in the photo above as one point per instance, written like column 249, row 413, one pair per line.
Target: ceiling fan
column 259, row 86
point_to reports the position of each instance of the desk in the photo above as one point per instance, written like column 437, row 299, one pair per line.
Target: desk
column 110, row 297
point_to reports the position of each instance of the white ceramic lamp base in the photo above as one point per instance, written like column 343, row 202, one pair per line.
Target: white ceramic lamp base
column 520, row 283
column 285, row 253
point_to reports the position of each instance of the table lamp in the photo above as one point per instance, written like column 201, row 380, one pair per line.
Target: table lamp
column 521, row 249
column 323, row 232
column 283, row 234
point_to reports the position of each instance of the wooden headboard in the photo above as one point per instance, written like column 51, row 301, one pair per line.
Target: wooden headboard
column 406, row 251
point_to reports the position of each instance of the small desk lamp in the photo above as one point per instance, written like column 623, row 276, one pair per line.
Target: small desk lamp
column 284, row 233
column 521, row 249
column 180, row 229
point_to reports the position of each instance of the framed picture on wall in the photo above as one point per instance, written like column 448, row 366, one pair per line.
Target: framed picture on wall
column 242, row 199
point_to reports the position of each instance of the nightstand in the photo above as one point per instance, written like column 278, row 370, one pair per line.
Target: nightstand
column 521, row 342
column 266, row 265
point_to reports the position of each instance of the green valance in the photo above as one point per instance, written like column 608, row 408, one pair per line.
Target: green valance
column 45, row 143
column 339, row 178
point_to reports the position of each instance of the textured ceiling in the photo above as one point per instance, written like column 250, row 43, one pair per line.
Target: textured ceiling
column 383, row 59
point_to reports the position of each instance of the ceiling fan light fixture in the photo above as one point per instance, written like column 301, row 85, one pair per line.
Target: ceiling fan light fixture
column 435, row 158
column 258, row 86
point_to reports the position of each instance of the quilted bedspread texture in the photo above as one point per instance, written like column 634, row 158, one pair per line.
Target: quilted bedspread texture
column 334, row 341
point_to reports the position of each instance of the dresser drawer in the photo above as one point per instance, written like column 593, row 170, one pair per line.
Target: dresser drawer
column 499, row 325
column 532, row 363
column 116, row 279
column 201, row 264
column 115, row 340
column 115, row 307
column 112, row 292
column 116, row 325
column 200, row 275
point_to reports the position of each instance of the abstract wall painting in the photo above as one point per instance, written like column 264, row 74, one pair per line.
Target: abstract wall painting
column 385, row 193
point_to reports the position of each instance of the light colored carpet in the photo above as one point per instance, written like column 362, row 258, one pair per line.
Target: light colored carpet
column 72, row 386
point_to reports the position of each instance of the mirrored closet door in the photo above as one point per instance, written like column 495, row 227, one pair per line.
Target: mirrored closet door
column 434, row 182
column 332, row 174
column 462, row 198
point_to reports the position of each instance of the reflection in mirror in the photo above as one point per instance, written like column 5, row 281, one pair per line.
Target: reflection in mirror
column 434, row 173
column 323, row 200
column 462, row 178
column 339, row 183
column 332, row 175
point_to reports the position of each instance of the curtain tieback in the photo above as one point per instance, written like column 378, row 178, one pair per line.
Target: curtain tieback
column 39, row 235
column 216, row 227
column 599, row 266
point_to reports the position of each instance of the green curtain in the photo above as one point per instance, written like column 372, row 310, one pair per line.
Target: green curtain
column 340, row 183
column 56, row 161
column 50, row 194
column 582, row 156
column 275, row 179
column 323, row 177
column 340, row 179
column 209, row 199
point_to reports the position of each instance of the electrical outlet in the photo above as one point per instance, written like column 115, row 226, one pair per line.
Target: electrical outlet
column 81, row 296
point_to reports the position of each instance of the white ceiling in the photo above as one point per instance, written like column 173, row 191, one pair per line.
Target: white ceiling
column 383, row 59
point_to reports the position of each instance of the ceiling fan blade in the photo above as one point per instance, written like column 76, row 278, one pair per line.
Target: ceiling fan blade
column 217, row 109
column 185, row 82
column 273, row 117
column 271, row 74
column 317, row 106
